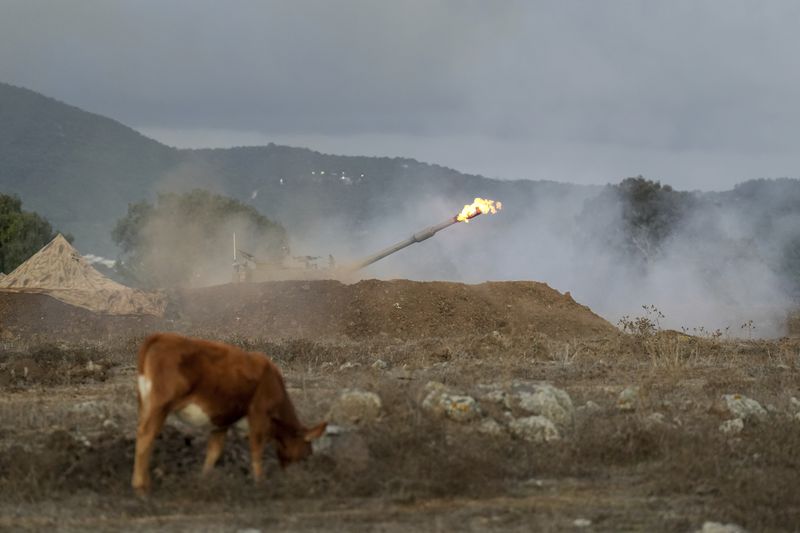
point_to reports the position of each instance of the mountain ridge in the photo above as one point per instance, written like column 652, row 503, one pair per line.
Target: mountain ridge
column 81, row 170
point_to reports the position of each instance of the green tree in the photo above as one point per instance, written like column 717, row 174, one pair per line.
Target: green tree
column 186, row 239
column 636, row 216
column 22, row 233
column 651, row 213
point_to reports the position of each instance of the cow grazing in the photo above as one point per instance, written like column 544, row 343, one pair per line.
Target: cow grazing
column 215, row 385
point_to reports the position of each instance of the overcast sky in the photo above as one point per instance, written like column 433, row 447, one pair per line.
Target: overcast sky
column 697, row 94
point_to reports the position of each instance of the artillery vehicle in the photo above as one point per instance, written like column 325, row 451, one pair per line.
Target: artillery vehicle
column 248, row 268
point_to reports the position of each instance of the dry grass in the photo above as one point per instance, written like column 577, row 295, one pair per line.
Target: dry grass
column 66, row 433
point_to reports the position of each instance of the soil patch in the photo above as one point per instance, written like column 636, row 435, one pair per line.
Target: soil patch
column 398, row 309
column 33, row 316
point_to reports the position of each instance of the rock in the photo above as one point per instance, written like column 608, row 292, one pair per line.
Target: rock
column 718, row 527
column 348, row 365
column 355, row 407
column 627, row 399
column 440, row 402
column 732, row 427
column 380, row 364
column 542, row 399
column 741, row 406
column 582, row 522
column 794, row 405
column 460, row 408
column 492, row 394
column 490, row 426
column 432, row 393
column 535, row 429
column 92, row 367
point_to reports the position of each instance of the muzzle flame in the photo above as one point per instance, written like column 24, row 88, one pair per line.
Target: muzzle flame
column 478, row 207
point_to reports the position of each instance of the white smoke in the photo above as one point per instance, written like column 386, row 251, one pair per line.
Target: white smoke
column 715, row 271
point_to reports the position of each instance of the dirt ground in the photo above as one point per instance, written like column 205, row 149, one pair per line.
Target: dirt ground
column 658, row 462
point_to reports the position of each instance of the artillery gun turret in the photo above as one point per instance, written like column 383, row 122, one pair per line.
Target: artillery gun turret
column 249, row 268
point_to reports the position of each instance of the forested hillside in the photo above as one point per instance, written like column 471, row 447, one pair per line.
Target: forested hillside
column 80, row 170
column 623, row 242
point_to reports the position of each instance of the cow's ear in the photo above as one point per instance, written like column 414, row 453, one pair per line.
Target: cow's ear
column 316, row 432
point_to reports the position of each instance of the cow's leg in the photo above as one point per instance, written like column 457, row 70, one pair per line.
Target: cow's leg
column 259, row 433
column 150, row 422
column 216, row 441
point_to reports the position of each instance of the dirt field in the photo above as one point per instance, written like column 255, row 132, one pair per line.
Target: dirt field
column 641, row 449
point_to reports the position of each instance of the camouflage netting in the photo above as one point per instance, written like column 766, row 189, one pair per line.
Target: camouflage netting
column 58, row 270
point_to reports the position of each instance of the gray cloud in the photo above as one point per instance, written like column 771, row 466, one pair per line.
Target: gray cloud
column 697, row 94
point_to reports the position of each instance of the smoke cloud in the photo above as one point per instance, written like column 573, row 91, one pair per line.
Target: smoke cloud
column 720, row 267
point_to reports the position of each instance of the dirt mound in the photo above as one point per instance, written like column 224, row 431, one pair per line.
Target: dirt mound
column 59, row 271
column 33, row 315
column 398, row 309
column 327, row 309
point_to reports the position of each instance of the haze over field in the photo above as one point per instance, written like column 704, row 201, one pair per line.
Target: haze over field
column 698, row 95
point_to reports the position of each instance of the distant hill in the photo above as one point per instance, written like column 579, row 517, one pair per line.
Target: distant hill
column 728, row 259
column 80, row 170
column 76, row 168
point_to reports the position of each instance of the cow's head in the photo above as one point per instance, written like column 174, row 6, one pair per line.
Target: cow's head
column 295, row 446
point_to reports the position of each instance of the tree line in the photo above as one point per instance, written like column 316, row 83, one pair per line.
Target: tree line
column 180, row 238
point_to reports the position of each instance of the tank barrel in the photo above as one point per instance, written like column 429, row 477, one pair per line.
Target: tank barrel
column 245, row 273
column 419, row 236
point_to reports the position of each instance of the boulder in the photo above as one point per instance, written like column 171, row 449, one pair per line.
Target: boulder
column 439, row 401
column 431, row 397
column 492, row 393
column 460, row 408
column 794, row 405
column 542, row 399
column 535, row 429
column 741, row 406
column 628, row 398
column 355, row 407
column 732, row 427
column 490, row 426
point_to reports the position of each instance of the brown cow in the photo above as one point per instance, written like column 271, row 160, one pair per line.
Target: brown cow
column 215, row 385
